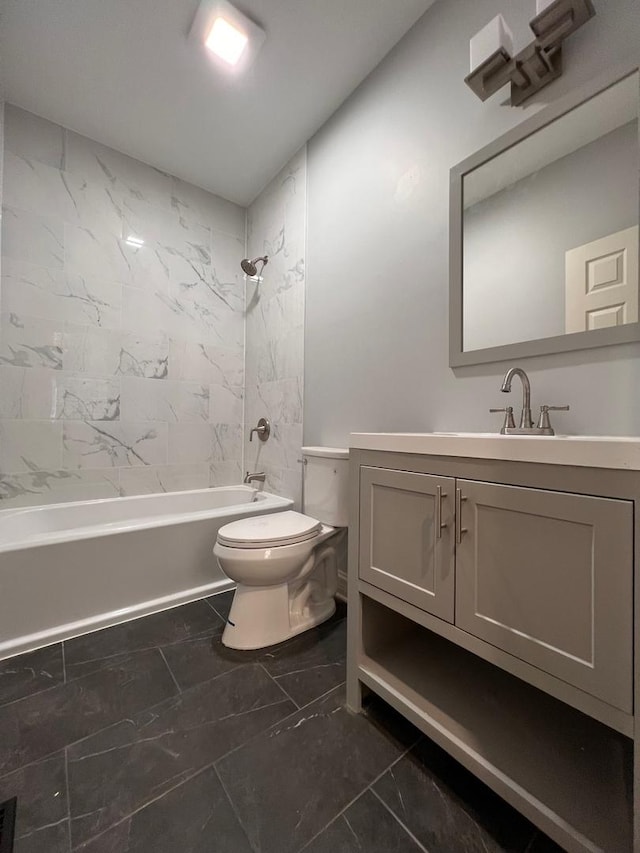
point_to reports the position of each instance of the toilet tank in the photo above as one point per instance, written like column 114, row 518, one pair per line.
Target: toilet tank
column 326, row 489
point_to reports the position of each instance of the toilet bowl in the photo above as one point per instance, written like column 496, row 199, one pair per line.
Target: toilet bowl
column 284, row 566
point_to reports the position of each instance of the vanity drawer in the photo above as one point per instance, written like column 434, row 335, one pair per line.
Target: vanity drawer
column 406, row 537
column 548, row 577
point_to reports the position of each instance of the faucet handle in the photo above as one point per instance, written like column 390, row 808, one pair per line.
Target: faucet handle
column 544, row 422
column 509, row 422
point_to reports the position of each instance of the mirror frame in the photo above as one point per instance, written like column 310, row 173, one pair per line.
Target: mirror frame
column 458, row 357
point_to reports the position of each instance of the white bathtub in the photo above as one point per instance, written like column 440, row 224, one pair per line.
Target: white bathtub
column 66, row 569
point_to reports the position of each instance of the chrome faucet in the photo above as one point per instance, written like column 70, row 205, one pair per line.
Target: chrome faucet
column 526, row 421
column 526, row 427
column 250, row 478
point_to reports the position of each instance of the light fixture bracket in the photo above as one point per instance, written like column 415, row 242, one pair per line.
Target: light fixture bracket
column 539, row 62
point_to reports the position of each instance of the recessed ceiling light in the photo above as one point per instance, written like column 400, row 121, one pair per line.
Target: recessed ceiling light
column 226, row 41
column 232, row 39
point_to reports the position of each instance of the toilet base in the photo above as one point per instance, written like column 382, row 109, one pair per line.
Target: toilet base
column 263, row 616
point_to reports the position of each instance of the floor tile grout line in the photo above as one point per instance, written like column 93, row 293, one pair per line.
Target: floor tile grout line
column 279, row 723
column 155, row 705
column 357, row 797
column 132, row 651
column 397, row 819
column 64, row 663
column 279, row 686
column 66, row 777
column 144, row 806
column 187, row 778
column 233, row 808
column 173, row 678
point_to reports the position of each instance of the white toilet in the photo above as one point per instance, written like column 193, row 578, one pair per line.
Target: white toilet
column 286, row 581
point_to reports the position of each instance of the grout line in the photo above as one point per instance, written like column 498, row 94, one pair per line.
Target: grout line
column 357, row 797
column 66, row 776
column 233, row 808
column 397, row 819
column 280, row 687
column 186, row 778
column 173, row 678
column 143, row 806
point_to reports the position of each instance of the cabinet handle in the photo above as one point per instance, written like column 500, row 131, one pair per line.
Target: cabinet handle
column 459, row 528
column 439, row 525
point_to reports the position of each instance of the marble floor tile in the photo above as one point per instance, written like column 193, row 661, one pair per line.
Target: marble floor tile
column 160, row 629
column 145, row 756
column 196, row 661
column 446, row 807
column 42, row 724
column 42, row 809
column 221, row 603
column 49, row 839
column 312, row 663
column 365, row 826
column 27, row 674
column 322, row 758
column 195, row 817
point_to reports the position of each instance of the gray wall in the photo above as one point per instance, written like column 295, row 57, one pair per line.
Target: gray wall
column 515, row 241
column 376, row 329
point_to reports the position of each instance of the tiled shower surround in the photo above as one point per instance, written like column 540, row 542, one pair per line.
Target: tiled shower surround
column 122, row 314
column 276, row 225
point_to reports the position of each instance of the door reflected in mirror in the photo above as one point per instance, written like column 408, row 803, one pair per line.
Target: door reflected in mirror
column 550, row 228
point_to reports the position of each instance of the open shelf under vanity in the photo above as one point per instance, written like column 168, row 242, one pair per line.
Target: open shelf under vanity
column 569, row 773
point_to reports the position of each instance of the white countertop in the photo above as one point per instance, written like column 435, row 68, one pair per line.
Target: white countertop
column 591, row 451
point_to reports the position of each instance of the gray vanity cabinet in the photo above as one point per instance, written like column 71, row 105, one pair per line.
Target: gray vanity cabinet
column 547, row 576
column 406, row 534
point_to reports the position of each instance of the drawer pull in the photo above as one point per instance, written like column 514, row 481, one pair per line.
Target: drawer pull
column 439, row 525
column 459, row 528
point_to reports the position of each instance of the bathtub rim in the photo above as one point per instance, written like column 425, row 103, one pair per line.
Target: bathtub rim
column 261, row 501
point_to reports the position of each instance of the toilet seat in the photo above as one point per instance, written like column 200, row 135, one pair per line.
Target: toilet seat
column 269, row 531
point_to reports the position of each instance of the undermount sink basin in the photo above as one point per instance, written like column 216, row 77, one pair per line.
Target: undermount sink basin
column 591, row 451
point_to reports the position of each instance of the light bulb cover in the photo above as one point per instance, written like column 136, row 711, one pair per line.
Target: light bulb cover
column 227, row 36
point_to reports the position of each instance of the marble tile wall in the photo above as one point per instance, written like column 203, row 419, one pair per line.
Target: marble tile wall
column 121, row 324
column 274, row 361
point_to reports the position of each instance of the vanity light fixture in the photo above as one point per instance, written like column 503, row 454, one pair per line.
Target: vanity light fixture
column 231, row 39
column 536, row 65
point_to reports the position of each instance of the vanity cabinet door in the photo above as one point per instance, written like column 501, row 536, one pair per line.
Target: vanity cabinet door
column 548, row 577
column 406, row 537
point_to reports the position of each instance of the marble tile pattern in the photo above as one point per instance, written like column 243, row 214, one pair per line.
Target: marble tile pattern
column 152, row 737
column 121, row 324
column 274, row 363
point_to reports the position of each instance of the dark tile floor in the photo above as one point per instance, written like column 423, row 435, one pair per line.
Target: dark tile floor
column 152, row 737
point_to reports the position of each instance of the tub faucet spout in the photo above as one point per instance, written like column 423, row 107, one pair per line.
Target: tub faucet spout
column 259, row 476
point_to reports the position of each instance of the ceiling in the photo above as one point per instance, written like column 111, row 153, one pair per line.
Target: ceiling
column 124, row 73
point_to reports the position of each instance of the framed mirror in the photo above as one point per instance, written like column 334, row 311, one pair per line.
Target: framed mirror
column 544, row 231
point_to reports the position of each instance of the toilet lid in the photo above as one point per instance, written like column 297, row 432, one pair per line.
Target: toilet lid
column 264, row 531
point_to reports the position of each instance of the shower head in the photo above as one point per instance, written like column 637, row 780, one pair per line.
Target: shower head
column 250, row 268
